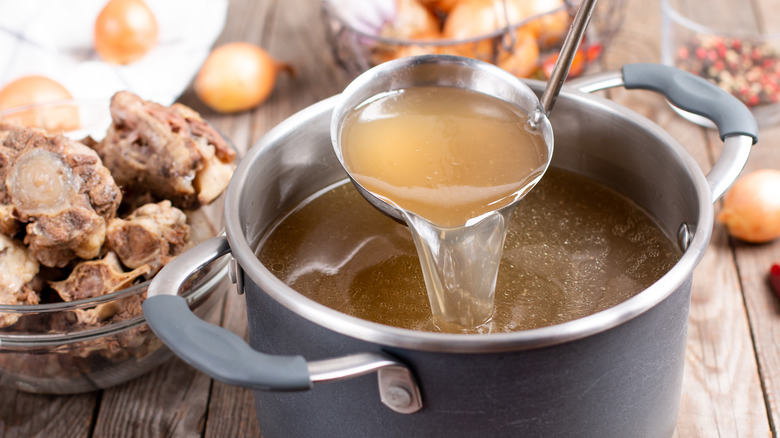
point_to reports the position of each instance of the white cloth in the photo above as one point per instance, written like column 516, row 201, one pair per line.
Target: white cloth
column 54, row 38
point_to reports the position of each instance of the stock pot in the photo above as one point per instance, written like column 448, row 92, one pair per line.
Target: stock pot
column 320, row 373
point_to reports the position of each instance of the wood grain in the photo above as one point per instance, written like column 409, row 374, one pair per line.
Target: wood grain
column 43, row 416
column 731, row 385
column 171, row 401
column 763, row 307
column 722, row 394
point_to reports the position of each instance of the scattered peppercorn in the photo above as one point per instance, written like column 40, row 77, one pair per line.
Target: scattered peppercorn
column 774, row 279
column 748, row 70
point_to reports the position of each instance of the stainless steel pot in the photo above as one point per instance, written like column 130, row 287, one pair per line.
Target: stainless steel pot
column 617, row 373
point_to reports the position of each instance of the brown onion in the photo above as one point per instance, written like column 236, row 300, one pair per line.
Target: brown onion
column 36, row 89
column 237, row 77
column 751, row 208
column 125, row 30
column 524, row 57
column 412, row 22
column 474, row 18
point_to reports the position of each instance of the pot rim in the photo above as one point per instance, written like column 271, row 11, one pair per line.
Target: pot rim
column 390, row 336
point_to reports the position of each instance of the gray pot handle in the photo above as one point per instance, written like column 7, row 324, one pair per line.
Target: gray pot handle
column 226, row 357
column 736, row 125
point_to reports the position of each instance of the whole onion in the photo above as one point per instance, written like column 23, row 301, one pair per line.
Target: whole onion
column 751, row 208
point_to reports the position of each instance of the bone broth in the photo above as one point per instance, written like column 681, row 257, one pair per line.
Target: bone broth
column 574, row 247
column 446, row 154
column 453, row 161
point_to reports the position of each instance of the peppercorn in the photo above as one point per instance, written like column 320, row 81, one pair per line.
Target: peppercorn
column 750, row 71
column 774, row 279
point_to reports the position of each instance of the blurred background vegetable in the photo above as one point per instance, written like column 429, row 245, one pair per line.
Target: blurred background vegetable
column 751, row 208
column 29, row 90
column 520, row 36
column 237, row 77
column 125, row 30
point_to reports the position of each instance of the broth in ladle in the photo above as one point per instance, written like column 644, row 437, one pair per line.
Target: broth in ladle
column 453, row 161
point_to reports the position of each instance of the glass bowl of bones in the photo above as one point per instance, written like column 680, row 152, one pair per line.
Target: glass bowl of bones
column 98, row 196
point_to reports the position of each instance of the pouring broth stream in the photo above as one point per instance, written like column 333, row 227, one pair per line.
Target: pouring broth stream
column 454, row 161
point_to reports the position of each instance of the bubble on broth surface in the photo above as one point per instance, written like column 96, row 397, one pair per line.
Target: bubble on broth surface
column 574, row 247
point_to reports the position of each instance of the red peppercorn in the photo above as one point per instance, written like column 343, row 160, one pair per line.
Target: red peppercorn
column 721, row 48
column 749, row 71
column 774, row 279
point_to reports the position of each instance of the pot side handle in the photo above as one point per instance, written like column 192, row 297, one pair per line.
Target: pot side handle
column 209, row 348
column 224, row 356
column 694, row 94
column 736, row 125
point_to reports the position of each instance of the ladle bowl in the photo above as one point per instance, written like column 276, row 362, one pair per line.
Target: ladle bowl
column 440, row 71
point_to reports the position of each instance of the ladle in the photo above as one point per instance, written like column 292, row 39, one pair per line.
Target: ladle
column 566, row 56
column 445, row 70
column 460, row 261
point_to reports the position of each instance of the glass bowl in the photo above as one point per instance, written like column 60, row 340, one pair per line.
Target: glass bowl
column 47, row 349
column 732, row 49
column 364, row 33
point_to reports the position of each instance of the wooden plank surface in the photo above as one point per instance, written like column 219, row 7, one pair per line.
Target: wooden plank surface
column 722, row 393
column 732, row 375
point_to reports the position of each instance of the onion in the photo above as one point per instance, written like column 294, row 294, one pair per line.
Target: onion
column 751, row 208
column 550, row 27
column 30, row 90
column 524, row 58
column 237, row 77
column 412, row 22
column 475, row 18
column 576, row 68
column 439, row 6
column 125, row 30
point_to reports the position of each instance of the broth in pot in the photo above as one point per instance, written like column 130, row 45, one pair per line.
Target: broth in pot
column 574, row 247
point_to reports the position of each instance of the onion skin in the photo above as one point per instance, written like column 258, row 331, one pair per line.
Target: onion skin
column 35, row 89
column 412, row 22
column 751, row 208
column 475, row 18
column 550, row 28
column 439, row 6
column 125, row 30
column 524, row 58
column 237, row 77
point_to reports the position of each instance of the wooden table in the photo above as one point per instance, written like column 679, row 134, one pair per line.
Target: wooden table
column 732, row 372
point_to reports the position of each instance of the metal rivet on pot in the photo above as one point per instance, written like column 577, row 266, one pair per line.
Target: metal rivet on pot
column 684, row 236
column 397, row 397
column 232, row 270
column 398, row 389
column 235, row 275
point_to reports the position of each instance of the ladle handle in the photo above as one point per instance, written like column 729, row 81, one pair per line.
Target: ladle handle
column 568, row 50
column 226, row 357
column 736, row 125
